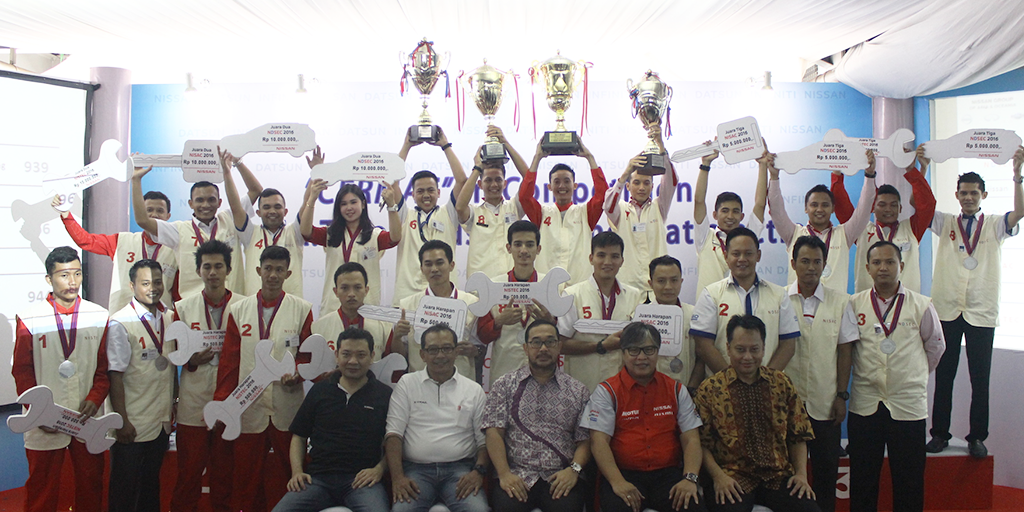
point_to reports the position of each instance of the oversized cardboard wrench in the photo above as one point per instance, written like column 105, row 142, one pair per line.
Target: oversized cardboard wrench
column 106, row 166
column 389, row 369
column 892, row 147
column 267, row 371
column 834, row 152
column 365, row 166
column 42, row 412
column 321, row 357
column 993, row 144
column 189, row 342
column 292, row 138
column 545, row 291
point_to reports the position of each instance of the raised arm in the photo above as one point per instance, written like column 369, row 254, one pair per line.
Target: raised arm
column 595, row 206
column 312, row 193
column 139, row 204
column 859, row 220
column 517, row 159
column 531, row 207
column 1018, row 195
column 611, row 198
column 922, row 197
column 392, row 196
column 776, row 205
column 453, row 162
column 463, row 197
column 253, row 186
column 237, row 209
column 842, row 203
column 700, row 192
column 761, row 189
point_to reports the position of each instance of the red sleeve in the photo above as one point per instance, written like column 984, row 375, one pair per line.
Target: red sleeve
column 318, row 236
column 304, row 357
column 530, row 205
column 924, row 202
column 96, row 244
column 384, row 241
column 230, row 355
column 595, row 206
column 100, row 381
column 843, row 207
column 486, row 331
column 387, row 346
column 23, row 369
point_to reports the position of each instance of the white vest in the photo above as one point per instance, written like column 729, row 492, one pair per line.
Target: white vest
column 956, row 290
column 277, row 401
column 290, row 239
column 910, row 251
column 898, row 380
column 48, row 354
column 408, row 278
column 711, row 264
column 565, row 242
column 769, row 302
column 148, row 392
column 488, row 235
column 366, row 255
column 129, row 250
column 643, row 234
column 688, row 355
column 463, row 364
column 189, row 283
column 838, row 261
column 196, row 388
column 507, row 353
column 592, row 369
column 330, row 326
column 813, row 366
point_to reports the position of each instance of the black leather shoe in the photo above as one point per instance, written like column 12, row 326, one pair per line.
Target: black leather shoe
column 936, row 445
column 977, row 449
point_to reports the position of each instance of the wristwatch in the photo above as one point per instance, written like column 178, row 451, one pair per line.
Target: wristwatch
column 691, row 477
column 394, row 208
column 845, row 395
column 575, row 466
column 600, row 348
column 480, row 468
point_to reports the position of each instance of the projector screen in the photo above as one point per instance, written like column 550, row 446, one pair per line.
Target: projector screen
column 43, row 134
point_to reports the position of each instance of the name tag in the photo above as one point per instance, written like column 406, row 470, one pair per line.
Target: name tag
column 878, row 329
column 149, row 354
column 640, row 228
column 291, row 341
column 370, row 254
column 963, row 249
column 437, row 225
column 509, row 219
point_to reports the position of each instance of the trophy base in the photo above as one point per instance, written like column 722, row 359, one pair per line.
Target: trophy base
column 493, row 152
column 424, row 133
column 655, row 165
column 560, row 143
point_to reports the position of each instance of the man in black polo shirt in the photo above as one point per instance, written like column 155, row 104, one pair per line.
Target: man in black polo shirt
column 345, row 415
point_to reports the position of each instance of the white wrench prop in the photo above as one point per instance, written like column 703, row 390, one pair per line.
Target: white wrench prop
column 190, row 342
column 892, row 147
column 42, row 412
column 835, row 152
column 545, row 291
column 267, row 371
column 389, row 369
column 994, row 144
column 321, row 357
column 106, row 166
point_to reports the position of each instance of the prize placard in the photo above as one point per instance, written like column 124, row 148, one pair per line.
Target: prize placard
column 668, row 320
column 199, row 161
column 440, row 310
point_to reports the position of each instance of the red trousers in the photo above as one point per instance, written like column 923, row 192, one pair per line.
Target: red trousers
column 258, row 486
column 44, row 472
column 201, row 449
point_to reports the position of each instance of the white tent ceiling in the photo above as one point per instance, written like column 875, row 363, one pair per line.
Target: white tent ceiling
column 916, row 46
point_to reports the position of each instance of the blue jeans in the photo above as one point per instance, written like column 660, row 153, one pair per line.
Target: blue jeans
column 332, row 490
column 437, row 485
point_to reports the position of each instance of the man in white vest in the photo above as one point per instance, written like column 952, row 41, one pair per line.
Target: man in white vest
column 900, row 343
column 666, row 280
column 566, row 226
column 966, row 295
column 285, row 319
column 487, row 223
column 425, row 220
column 820, row 368
column 743, row 293
column 124, row 248
column 61, row 343
column 819, row 205
column 593, row 358
column 640, row 221
column 143, row 390
column 199, row 448
column 350, row 287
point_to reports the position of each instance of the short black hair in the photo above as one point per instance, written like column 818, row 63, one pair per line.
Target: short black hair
column 270, row 192
column 561, row 167
column 156, row 194
column 725, row 197
column 537, row 323
column 201, row 184
column 883, row 243
column 442, row 327
column 424, row 174
column 664, row 260
column 523, row 226
column 276, row 253
column 214, row 247
column 636, row 333
column 151, row 264
column 607, row 239
column 816, row 189
column 813, row 242
column 493, row 164
column 970, row 177
column 431, row 245
column 742, row 231
column 354, row 333
column 888, row 189
column 748, row 322
column 348, row 267
column 62, row 254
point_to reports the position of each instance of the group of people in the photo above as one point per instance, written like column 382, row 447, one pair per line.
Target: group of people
column 761, row 385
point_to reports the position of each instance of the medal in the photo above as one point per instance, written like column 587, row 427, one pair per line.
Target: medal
column 970, row 263
column 676, row 365
column 161, row 363
column 826, row 272
column 67, row 369
column 888, row 346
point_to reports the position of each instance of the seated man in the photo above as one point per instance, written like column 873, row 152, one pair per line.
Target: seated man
column 532, row 423
column 644, row 432
column 344, row 415
column 434, row 444
column 755, row 430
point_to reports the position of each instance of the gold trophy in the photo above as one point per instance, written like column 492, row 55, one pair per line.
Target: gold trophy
column 485, row 84
column 650, row 98
column 559, row 74
column 424, row 64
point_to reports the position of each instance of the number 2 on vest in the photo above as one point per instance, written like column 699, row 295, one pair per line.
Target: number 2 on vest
column 723, row 310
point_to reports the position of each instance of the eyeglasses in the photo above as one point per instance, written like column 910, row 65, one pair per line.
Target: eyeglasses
column 549, row 343
column 649, row 350
column 447, row 349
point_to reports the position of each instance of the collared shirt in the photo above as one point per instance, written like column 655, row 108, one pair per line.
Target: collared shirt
column 541, row 421
column 438, row 422
column 705, row 312
column 119, row 349
column 748, row 428
column 848, row 330
column 567, row 322
column 931, row 328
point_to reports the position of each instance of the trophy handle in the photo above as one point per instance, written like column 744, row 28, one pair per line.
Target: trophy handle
column 402, row 58
column 668, row 97
column 629, row 85
column 447, row 60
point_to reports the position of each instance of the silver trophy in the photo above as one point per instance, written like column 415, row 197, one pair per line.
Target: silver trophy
column 425, row 67
column 650, row 98
column 485, row 84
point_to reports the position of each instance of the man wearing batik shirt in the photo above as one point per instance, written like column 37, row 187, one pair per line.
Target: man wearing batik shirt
column 755, row 430
column 532, row 423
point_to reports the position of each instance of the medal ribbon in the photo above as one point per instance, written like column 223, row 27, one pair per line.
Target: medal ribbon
column 972, row 244
column 609, row 308
column 199, row 232
column 276, row 237
column 347, row 324
column 887, row 329
column 210, row 305
column 718, row 235
column 145, row 253
column 158, row 341
column 892, row 232
column 265, row 330
column 828, row 239
column 419, row 223
column 67, row 343
column 346, row 249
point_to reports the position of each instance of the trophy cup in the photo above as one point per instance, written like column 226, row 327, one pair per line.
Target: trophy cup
column 650, row 102
column 424, row 64
column 559, row 75
column 485, row 84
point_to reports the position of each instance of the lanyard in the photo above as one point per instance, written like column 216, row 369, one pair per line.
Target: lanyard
column 888, row 329
column 892, row 232
column 158, row 341
column 275, row 239
column 67, row 343
column 345, row 322
column 199, row 233
column 419, row 223
column 609, row 308
column 721, row 243
column 145, row 253
column 265, row 330
column 346, row 249
column 209, row 305
column 971, row 244
column 828, row 239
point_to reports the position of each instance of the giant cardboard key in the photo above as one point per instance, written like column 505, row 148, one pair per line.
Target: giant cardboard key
column 42, row 412
column 432, row 310
column 191, row 341
column 292, row 138
column 738, row 141
column 106, row 166
column 365, row 166
column 545, row 291
column 666, row 318
column 993, row 144
column 835, row 152
column 266, row 371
